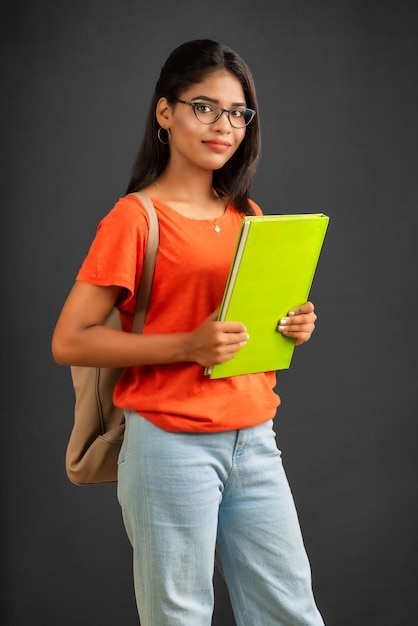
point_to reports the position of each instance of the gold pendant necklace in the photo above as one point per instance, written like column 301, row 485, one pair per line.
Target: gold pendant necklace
column 216, row 226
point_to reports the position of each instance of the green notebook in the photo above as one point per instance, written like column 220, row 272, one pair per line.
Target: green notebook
column 272, row 271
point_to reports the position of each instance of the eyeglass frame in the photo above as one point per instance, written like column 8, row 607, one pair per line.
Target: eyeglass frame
column 221, row 111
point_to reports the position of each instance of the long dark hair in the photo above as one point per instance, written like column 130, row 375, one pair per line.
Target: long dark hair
column 188, row 64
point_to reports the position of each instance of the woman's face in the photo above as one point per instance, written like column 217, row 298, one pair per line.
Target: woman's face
column 195, row 144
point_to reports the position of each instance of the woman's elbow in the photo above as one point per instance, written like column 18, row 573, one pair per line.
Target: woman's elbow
column 59, row 351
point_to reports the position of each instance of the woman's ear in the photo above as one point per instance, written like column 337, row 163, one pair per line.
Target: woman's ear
column 163, row 113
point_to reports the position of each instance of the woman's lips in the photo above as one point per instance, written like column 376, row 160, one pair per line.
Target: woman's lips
column 217, row 145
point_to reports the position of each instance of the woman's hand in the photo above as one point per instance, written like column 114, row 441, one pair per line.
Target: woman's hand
column 215, row 342
column 299, row 323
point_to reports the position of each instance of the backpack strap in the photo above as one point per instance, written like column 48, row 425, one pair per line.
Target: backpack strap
column 145, row 283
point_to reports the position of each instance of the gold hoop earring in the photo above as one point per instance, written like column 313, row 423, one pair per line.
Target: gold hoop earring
column 159, row 135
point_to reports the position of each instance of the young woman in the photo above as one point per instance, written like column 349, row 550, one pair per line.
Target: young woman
column 199, row 469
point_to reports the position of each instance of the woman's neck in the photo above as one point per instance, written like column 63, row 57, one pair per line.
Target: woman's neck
column 192, row 196
column 184, row 186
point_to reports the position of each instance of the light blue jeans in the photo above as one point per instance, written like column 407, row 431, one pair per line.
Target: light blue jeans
column 185, row 495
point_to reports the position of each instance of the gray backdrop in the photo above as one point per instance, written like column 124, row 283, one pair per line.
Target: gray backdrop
column 337, row 83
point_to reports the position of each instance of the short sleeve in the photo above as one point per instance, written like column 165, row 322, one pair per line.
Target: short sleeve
column 256, row 208
column 116, row 254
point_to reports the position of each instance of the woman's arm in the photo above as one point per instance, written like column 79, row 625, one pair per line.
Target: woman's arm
column 80, row 338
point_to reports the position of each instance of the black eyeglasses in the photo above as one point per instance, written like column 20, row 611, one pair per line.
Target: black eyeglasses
column 208, row 113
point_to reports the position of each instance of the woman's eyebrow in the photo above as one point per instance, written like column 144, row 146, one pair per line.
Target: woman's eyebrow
column 214, row 101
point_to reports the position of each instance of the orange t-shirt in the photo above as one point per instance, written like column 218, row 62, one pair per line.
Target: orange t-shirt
column 191, row 271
